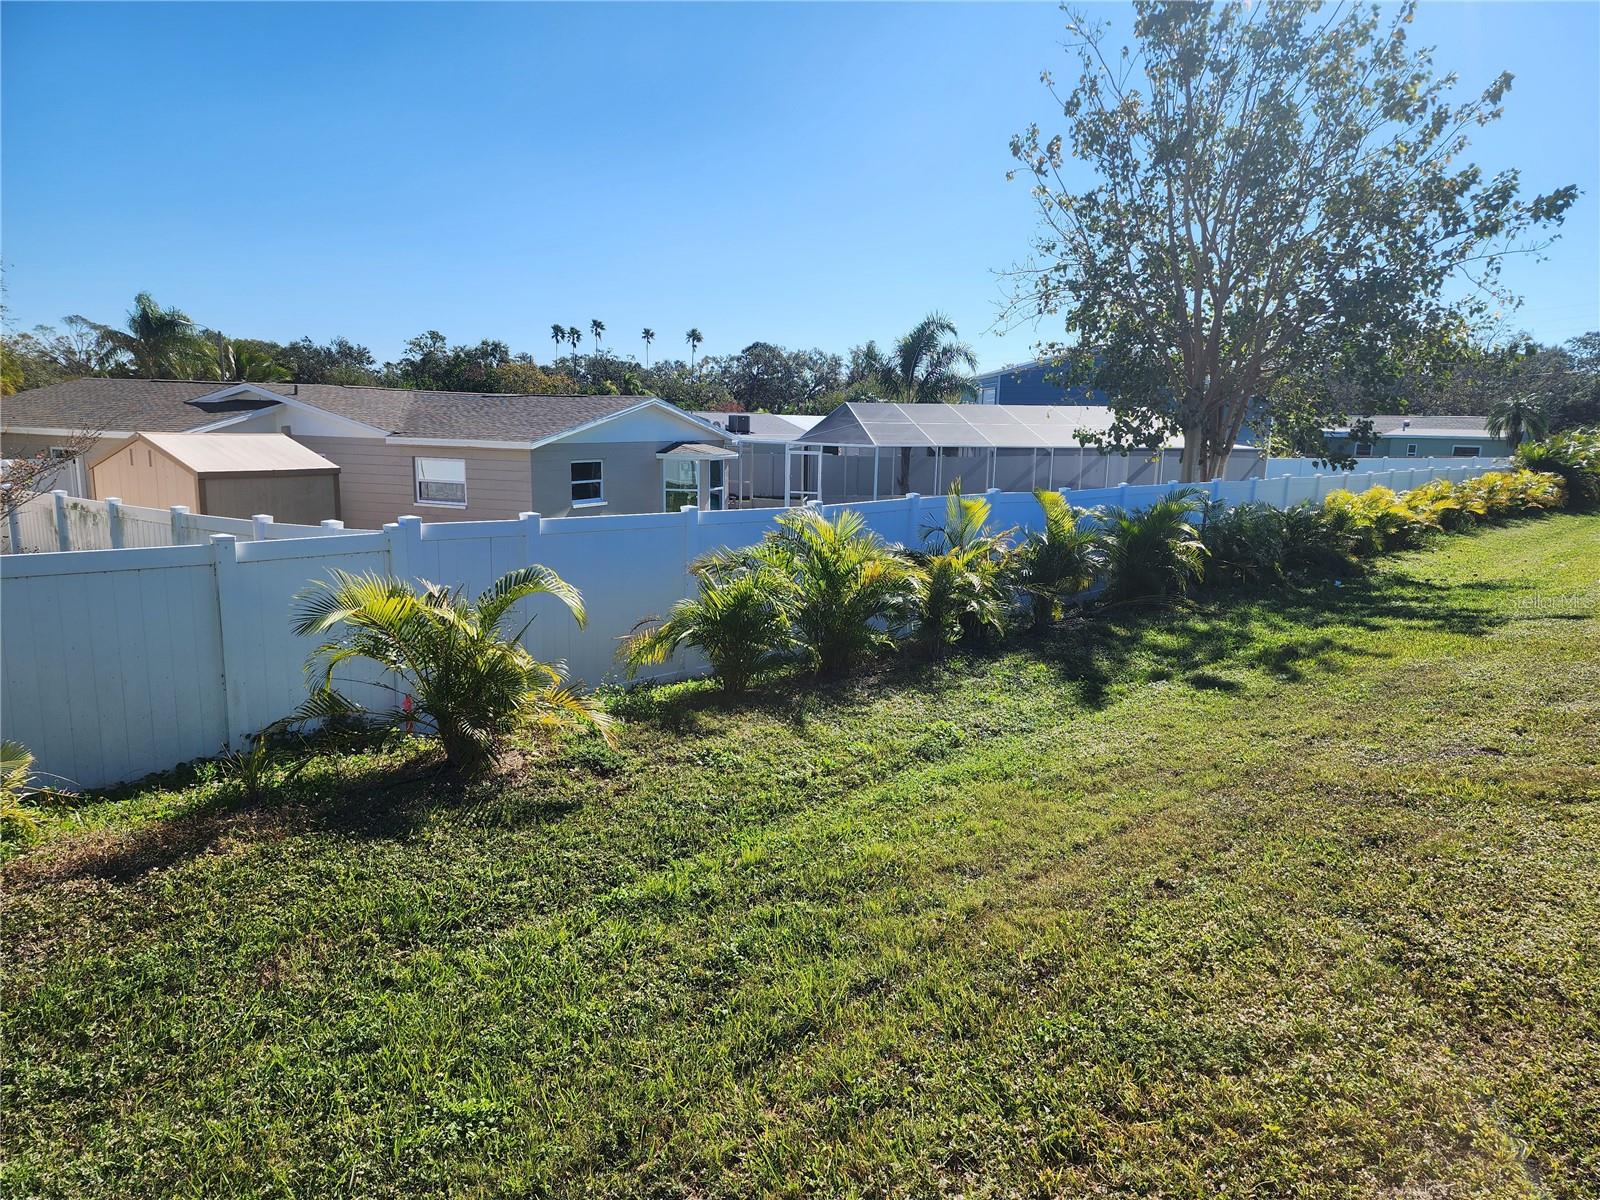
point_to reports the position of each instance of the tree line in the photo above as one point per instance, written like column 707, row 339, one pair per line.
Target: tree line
column 928, row 364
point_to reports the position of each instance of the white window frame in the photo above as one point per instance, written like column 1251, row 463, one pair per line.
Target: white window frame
column 1411, row 449
column 417, row 482
column 58, row 453
column 716, row 493
column 574, row 484
column 1466, row 451
column 1364, row 449
column 667, row 482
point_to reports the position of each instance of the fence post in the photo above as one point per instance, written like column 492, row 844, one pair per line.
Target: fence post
column 913, row 512
column 180, row 525
column 63, row 530
column 1288, row 479
column 408, row 533
column 114, row 521
column 1255, row 486
column 532, row 527
column 1316, row 488
column 258, row 526
column 691, row 537
column 333, row 526
column 231, row 625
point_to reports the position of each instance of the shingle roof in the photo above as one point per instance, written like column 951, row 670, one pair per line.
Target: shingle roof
column 163, row 406
column 767, row 426
column 1443, row 425
column 112, row 405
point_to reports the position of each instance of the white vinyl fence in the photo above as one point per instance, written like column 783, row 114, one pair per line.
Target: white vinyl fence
column 57, row 521
column 117, row 663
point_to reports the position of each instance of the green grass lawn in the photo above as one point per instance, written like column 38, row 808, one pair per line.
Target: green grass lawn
column 1294, row 895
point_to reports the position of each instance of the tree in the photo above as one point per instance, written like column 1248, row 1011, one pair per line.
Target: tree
column 929, row 365
column 337, row 361
column 575, row 337
column 596, row 328
column 1277, row 198
column 649, row 335
column 558, row 335
column 163, row 342
column 1517, row 417
column 23, row 478
column 694, row 337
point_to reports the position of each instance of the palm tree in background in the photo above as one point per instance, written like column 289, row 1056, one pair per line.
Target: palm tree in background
column 694, row 337
column 649, row 335
column 558, row 335
column 597, row 327
column 929, row 366
column 163, row 342
column 575, row 336
column 1516, row 417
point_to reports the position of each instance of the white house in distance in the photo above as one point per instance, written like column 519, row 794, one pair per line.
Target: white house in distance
column 443, row 455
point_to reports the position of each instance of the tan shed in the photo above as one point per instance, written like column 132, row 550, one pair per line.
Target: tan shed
column 221, row 475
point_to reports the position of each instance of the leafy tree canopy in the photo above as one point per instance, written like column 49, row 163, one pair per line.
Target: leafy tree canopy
column 1278, row 209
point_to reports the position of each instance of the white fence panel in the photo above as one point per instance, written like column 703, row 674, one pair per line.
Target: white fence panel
column 121, row 662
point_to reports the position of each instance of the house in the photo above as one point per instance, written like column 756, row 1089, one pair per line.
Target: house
column 876, row 451
column 761, row 440
column 1396, row 435
column 1034, row 382
column 445, row 455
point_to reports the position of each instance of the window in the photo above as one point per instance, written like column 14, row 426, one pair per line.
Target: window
column 1465, row 451
column 1363, row 449
column 588, row 483
column 716, row 491
column 441, row 481
column 1411, row 449
column 682, row 484
column 57, row 453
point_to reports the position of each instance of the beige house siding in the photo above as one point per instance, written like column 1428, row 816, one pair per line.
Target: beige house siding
column 141, row 474
column 377, row 481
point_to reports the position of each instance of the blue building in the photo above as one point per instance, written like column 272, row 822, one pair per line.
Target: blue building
column 1032, row 383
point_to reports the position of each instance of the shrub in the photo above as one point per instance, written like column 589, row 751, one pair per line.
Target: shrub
column 958, row 587
column 1575, row 457
column 844, row 589
column 471, row 683
column 1246, row 544
column 739, row 619
column 17, row 821
column 1154, row 553
column 1370, row 522
column 1058, row 563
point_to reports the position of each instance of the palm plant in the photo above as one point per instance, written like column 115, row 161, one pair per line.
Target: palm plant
column 1517, row 417
column 596, row 328
column 738, row 618
column 1246, row 544
column 163, row 342
column 649, row 335
column 558, row 335
column 929, row 365
column 846, row 591
column 958, row 580
column 694, row 337
column 1575, row 456
column 1059, row 562
column 575, row 336
column 470, row 683
column 957, row 594
column 1153, row 553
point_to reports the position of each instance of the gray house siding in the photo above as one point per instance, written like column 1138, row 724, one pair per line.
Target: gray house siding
column 630, row 474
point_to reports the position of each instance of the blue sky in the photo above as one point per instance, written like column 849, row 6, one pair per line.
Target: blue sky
column 808, row 175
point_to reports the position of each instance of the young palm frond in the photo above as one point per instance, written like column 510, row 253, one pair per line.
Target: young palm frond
column 739, row 619
column 958, row 594
column 846, row 590
column 1059, row 562
column 470, row 682
column 1154, row 553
